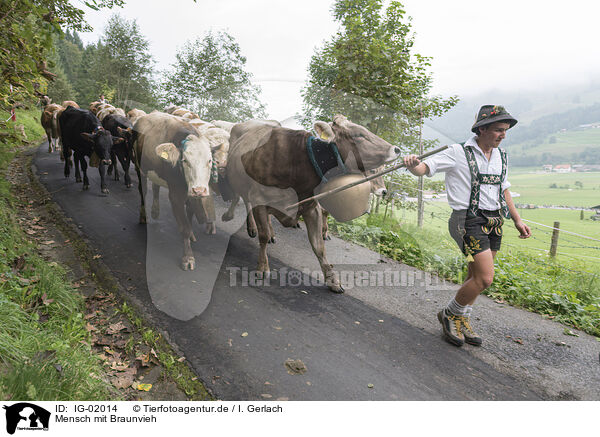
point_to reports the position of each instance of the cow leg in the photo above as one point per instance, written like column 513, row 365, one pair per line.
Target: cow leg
column 142, row 187
column 325, row 214
column 49, row 135
column 113, row 166
column 102, row 171
column 271, row 231
column 76, row 159
column 228, row 215
column 190, row 216
column 314, row 227
column 178, row 207
column 155, row 211
column 66, row 153
column 262, row 223
column 81, row 161
column 250, row 220
column 125, row 162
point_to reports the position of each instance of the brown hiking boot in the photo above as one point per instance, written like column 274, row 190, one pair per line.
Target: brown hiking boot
column 470, row 336
column 452, row 326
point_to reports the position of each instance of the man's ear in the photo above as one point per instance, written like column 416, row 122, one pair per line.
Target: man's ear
column 87, row 137
column 168, row 152
column 324, row 130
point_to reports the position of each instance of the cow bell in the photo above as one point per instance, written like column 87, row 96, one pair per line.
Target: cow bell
column 347, row 204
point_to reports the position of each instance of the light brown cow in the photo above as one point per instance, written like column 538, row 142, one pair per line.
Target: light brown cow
column 49, row 127
column 134, row 114
column 67, row 103
column 170, row 153
column 270, row 169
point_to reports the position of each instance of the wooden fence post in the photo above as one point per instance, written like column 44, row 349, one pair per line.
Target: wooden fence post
column 554, row 242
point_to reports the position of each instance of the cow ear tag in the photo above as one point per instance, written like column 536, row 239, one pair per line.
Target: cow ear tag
column 324, row 137
column 164, row 155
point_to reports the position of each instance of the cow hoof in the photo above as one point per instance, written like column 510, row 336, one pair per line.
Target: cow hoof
column 128, row 185
column 78, row 179
column 326, row 237
column 155, row 213
column 210, row 229
column 252, row 233
column 338, row 289
column 142, row 218
column 271, row 240
column 86, row 187
column 105, row 191
column 227, row 217
column 297, row 226
column 188, row 263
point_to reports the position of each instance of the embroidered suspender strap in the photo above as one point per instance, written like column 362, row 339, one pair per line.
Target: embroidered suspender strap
column 489, row 179
column 503, row 206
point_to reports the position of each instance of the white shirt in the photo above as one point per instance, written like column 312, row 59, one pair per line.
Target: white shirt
column 453, row 162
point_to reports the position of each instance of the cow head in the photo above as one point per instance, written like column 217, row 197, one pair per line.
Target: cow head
column 378, row 187
column 126, row 134
column 194, row 157
column 102, row 141
column 361, row 150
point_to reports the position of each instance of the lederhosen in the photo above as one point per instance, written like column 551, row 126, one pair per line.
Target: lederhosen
column 481, row 229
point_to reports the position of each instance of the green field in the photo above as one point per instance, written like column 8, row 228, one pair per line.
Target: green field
column 533, row 186
column 572, row 249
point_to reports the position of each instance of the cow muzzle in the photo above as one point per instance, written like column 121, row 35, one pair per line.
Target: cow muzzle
column 199, row 192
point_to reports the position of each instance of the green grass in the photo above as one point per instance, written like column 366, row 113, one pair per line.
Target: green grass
column 568, row 142
column 44, row 349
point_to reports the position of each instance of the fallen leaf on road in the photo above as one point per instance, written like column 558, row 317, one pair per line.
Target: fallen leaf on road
column 266, row 395
column 244, row 334
column 124, row 380
column 144, row 387
column 518, row 340
column 97, row 256
column 295, row 367
column 89, row 327
column 48, row 242
column 370, row 385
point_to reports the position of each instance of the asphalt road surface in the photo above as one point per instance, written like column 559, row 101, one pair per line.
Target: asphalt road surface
column 378, row 341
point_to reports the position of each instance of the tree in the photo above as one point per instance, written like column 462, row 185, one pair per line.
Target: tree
column 368, row 73
column 125, row 65
column 26, row 31
column 209, row 78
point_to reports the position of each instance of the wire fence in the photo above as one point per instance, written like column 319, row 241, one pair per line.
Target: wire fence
column 569, row 241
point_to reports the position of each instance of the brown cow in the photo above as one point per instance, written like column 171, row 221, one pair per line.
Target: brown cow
column 170, row 153
column 49, row 126
column 270, row 169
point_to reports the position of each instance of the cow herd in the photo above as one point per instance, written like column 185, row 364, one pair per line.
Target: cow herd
column 268, row 166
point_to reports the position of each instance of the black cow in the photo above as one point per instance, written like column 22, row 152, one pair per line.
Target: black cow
column 82, row 132
column 120, row 126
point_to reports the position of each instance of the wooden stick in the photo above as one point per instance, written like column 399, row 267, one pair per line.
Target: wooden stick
column 366, row 179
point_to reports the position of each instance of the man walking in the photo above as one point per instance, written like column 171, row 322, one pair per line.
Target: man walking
column 478, row 194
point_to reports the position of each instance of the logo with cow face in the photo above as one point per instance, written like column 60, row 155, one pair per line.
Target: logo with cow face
column 25, row 416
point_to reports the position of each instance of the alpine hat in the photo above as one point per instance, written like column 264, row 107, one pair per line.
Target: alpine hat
column 489, row 114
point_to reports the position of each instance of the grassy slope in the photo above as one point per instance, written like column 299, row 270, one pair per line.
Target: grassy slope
column 43, row 350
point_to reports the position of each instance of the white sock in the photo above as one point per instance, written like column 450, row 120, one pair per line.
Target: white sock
column 455, row 308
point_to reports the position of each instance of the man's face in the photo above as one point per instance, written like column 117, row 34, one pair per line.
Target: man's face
column 493, row 134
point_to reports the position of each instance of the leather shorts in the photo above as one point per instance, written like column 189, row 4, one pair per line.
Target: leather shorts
column 476, row 234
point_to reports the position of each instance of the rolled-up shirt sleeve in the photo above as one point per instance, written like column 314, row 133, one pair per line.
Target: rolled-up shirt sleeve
column 442, row 161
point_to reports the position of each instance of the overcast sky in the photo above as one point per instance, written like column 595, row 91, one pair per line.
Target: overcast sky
column 476, row 45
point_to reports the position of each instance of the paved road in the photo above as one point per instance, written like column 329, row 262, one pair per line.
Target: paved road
column 362, row 345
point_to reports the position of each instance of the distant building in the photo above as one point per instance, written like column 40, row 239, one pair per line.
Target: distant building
column 547, row 167
column 562, row 168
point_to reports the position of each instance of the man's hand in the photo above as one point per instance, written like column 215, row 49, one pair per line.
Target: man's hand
column 411, row 161
column 523, row 229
